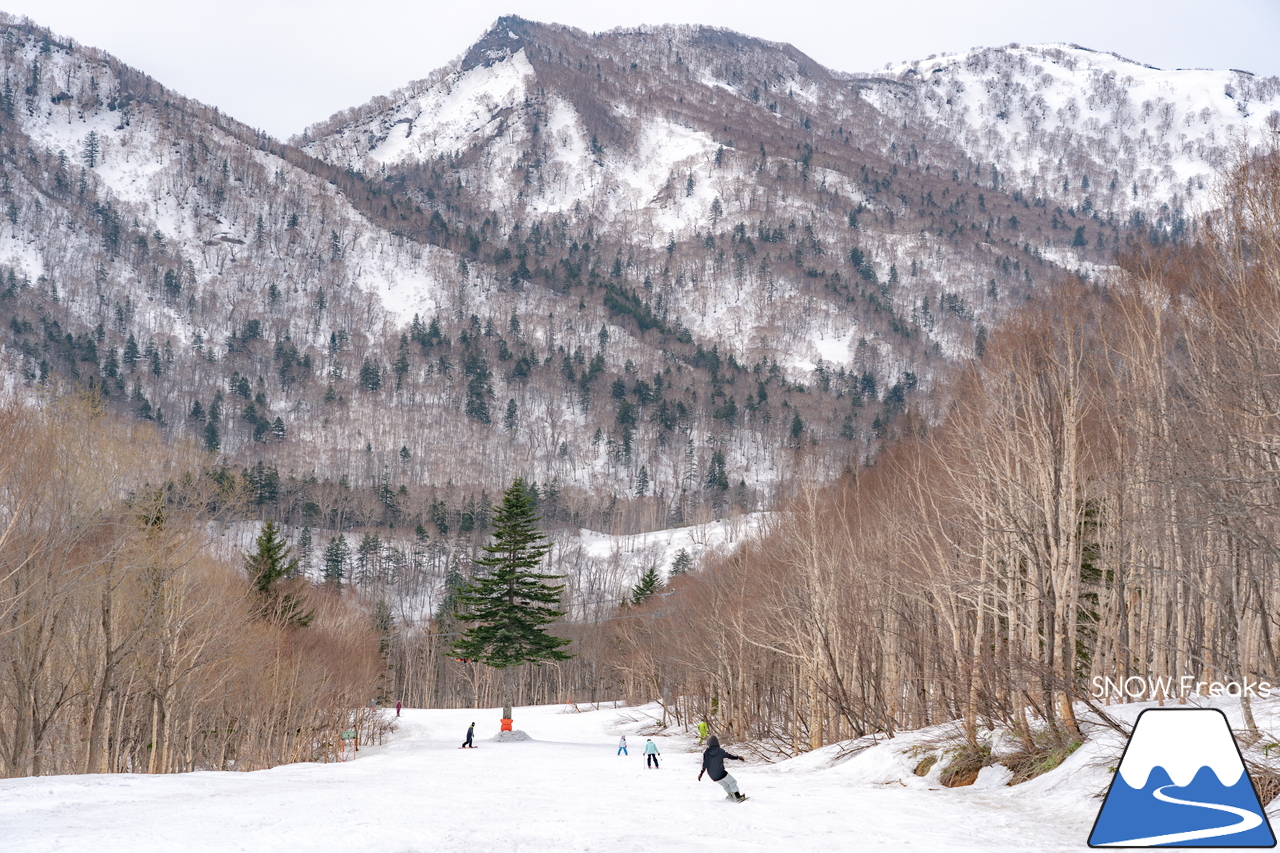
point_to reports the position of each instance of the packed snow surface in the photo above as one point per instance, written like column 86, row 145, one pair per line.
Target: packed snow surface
column 566, row 789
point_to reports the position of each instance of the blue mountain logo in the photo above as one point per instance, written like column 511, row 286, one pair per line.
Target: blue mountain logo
column 1182, row 783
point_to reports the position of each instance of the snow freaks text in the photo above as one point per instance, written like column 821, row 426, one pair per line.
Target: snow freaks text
column 1150, row 687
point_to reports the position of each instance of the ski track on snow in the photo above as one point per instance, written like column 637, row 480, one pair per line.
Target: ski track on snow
column 566, row 790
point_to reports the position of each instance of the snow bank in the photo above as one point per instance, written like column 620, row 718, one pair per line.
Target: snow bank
column 513, row 736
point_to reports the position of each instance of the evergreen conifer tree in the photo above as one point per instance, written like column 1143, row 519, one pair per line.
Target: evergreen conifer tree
column 383, row 623
column 92, row 149
column 648, row 585
column 270, row 567
column 304, row 550
column 212, row 441
column 370, row 375
column 479, row 391
column 336, row 554
column 131, row 352
column 509, row 601
column 642, row 482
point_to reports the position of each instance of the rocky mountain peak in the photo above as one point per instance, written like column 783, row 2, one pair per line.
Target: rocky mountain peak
column 508, row 36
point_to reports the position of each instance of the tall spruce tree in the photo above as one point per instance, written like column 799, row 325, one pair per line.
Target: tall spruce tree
column 335, row 559
column 648, row 585
column 509, row 601
column 275, row 580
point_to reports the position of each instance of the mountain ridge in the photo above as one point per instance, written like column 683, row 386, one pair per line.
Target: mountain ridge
column 651, row 265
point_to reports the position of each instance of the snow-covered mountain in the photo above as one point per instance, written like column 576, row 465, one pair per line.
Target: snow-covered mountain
column 641, row 268
column 674, row 136
column 725, row 175
column 1090, row 129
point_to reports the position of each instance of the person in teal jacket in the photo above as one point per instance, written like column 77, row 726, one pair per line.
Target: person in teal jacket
column 651, row 754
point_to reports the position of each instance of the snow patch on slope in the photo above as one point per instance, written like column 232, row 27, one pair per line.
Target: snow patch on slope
column 661, row 546
column 466, row 107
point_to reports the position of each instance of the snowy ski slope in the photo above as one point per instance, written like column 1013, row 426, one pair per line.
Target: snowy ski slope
column 566, row 789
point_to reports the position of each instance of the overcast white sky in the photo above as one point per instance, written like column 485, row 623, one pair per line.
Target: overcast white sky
column 280, row 65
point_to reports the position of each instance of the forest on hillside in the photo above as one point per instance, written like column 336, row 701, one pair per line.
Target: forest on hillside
column 1099, row 500
column 803, row 272
column 233, row 302
column 128, row 644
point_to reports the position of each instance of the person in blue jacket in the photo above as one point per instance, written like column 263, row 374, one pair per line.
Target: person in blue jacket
column 651, row 755
column 713, row 765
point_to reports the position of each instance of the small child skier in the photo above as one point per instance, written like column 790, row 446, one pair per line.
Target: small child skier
column 651, row 755
column 713, row 765
column 622, row 745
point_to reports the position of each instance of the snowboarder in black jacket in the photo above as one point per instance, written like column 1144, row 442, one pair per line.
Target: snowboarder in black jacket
column 713, row 765
column 471, row 730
